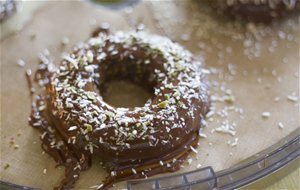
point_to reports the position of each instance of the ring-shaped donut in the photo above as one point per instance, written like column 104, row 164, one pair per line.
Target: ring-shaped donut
column 132, row 142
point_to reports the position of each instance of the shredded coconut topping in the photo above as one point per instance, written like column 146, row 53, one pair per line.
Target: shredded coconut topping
column 180, row 76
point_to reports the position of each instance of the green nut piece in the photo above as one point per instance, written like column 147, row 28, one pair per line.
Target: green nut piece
column 163, row 104
column 89, row 127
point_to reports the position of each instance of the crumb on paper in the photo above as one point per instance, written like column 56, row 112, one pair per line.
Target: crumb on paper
column 265, row 115
column 292, row 97
column 21, row 62
column 7, row 165
column 229, row 99
column 202, row 135
column 233, row 142
column 194, row 150
column 280, row 125
column 96, row 186
column 210, row 114
column 276, row 99
column 204, row 123
column 225, row 128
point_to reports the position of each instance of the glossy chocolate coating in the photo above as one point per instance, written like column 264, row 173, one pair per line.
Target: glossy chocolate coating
column 132, row 142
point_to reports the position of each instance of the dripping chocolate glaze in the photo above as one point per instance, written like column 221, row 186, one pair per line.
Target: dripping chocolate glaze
column 139, row 142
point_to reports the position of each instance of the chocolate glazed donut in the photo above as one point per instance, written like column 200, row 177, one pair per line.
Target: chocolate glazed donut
column 138, row 142
column 263, row 11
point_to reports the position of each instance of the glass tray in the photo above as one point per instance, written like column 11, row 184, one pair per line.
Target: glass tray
column 256, row 167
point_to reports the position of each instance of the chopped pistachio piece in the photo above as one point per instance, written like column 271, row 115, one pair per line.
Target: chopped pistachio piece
column 147, row 123
column 89, row 127
column 167, row 96
column 163, row 104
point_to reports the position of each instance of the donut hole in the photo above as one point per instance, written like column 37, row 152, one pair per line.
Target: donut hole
column 125, row 93
column 126, row 84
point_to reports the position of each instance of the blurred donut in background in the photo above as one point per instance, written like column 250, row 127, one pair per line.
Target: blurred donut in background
column 7, row 8
column 261, row 11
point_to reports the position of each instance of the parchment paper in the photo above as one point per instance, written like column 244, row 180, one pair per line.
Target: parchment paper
column 268, row 83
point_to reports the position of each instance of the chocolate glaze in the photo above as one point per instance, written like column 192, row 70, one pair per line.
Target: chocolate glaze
column 263, row 11
column 132, row 142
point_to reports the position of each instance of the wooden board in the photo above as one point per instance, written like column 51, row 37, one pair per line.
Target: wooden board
column 254, row 82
